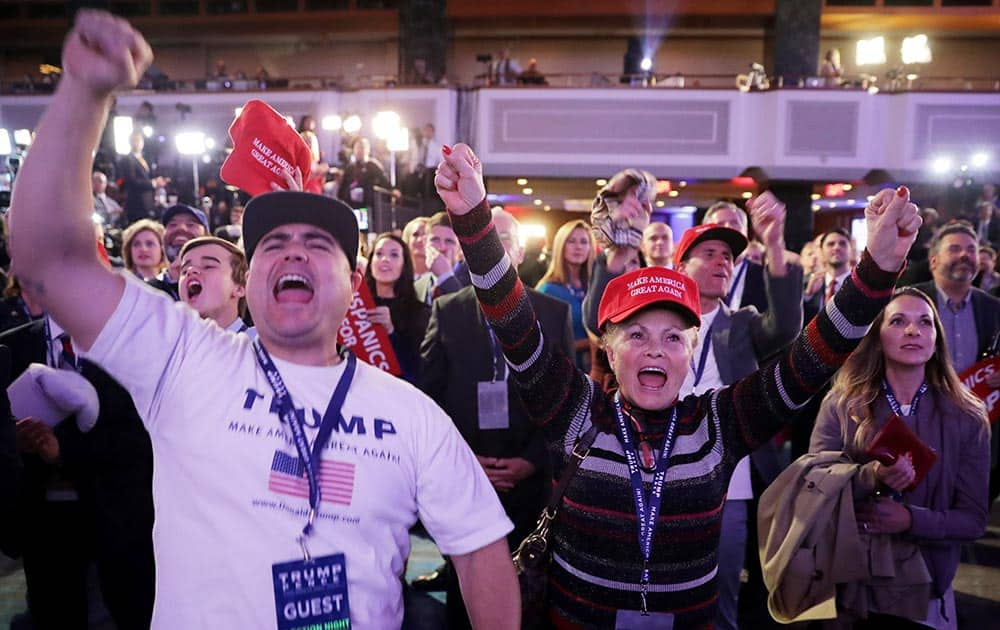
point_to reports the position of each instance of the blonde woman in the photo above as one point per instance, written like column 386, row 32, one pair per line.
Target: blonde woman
column 142, row 249
column 902, row 366
column 568, row 276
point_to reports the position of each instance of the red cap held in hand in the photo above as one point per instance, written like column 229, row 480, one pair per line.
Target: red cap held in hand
column 264, row 145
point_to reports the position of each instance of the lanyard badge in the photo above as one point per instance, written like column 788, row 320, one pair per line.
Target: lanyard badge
column 647, row 509
column 311, row 592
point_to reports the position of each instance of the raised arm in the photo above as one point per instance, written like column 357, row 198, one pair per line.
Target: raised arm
column 547, row 381
column 761, row 402
column 52, row 235
column 782, row 280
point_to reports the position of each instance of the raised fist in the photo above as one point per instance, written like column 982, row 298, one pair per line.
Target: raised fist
column 892, row 223
column 459, row 179
column 104, row 53
column 767, row 214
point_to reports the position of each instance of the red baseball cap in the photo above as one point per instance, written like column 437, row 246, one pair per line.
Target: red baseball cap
column 709, row 232
column 631, row 292
column 264, row 144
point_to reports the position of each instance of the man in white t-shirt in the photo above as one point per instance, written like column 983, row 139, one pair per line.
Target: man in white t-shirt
column 213, row 280
column 243, row 539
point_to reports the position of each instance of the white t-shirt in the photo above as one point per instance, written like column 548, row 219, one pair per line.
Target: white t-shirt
column 223, row 517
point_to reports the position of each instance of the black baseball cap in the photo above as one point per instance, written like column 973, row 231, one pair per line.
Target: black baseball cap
column 270, row 210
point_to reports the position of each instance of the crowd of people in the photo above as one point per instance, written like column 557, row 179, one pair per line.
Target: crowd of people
column 187, row 444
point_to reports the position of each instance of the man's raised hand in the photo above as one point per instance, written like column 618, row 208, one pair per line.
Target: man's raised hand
column 892, row 223
column 767, row 214
column 103, row 53
column 459, row 179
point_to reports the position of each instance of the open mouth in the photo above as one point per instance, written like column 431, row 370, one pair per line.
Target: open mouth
column 293, row 288
column 194, row 289
column 652, row 377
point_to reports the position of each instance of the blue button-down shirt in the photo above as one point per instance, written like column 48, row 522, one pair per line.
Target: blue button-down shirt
column 959, row 325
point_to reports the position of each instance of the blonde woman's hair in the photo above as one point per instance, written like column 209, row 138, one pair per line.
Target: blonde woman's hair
column 558, row 271
column 858, row 383
column 142, row 225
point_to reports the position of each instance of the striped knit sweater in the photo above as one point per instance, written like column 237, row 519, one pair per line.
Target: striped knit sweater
column 597, row 564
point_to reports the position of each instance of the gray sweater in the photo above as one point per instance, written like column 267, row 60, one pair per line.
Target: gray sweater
column 950, row 505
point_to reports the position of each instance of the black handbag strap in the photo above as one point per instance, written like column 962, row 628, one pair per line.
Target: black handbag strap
column 579, row 453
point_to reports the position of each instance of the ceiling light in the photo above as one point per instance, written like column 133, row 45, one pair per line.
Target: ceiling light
column 331, row 123
column 978, row 160
column 538, row 202
column 815, row 196
column 522, row 181
column 941, row 165
column 527, row 191
column 601, row 182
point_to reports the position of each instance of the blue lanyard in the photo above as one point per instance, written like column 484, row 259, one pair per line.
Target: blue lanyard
column 499, row 364
column 736, row 281
column 310, row 459
column 704, row 357
column 894, row 404
column 646, row 513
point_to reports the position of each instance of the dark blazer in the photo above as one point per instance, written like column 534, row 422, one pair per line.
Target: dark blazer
column 138, row 187
column 10, row 462
column 456, row 355
column 754, row 291
column 460, row 278
column 985, row 310
column 112, row 469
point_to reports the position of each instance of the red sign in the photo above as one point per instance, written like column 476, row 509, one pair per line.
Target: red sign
column 975, row 379
column 370, row 342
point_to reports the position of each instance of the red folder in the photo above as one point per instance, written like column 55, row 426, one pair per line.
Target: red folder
column 896, row 439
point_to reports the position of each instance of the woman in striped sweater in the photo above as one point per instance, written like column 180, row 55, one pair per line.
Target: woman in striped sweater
column 638, row 530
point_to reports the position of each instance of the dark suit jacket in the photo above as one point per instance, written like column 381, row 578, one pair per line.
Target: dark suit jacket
column 460, row 278
column 138, row 187
column 754, row 292
column 985, row 310
column 10, row 462
column 111, row 466
column 457, row 354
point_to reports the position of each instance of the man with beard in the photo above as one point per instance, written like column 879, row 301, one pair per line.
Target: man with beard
column 181, row 223
column 970, row 317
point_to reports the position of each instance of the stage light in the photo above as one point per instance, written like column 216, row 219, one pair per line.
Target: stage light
column 941, row 165
column 331, row 123
column 915, row 50
column 352, row 124
column 871, row 51
column 147, row 131
column 190, row 142
column 5, row 146
column 978, row 160
column 384, row 124
column 22, row 137
column 527, row 191
column 122, row 128
column 646, row 64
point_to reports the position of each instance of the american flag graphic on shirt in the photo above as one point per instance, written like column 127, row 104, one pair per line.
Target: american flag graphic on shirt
column 336, row 479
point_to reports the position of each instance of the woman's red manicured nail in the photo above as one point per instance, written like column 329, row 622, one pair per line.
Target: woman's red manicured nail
column 446, row 149
column 902, row 191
